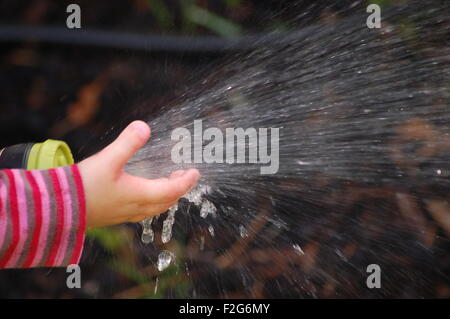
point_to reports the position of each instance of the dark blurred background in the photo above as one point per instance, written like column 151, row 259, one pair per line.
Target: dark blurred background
column 79, row 93
column 75, row 91
column 84, row 94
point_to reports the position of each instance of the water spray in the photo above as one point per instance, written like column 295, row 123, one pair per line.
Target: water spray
column 361, row 113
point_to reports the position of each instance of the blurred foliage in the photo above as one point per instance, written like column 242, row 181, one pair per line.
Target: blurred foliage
column 109, row 238
column 194, row 15
column 211, row 21
column 148, row 282
column 162, row 14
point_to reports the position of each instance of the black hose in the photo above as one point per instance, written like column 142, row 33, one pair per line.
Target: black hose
column 127, row 40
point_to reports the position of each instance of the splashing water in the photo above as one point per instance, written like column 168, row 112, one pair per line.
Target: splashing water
column 207, row 208
column 364, row 151
column 298, row 249
column 168, row 224
column 164, row 260
column 242, row 231
column 147, row 232
column 195, row 197
column 344, row 106
column 211, row 230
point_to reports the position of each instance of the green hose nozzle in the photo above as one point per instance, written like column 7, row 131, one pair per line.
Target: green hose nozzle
column 49, row 154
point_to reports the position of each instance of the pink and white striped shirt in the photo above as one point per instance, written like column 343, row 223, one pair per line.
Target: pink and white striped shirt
column 42, row 217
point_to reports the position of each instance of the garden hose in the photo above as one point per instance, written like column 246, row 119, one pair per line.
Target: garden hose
column 49, row 154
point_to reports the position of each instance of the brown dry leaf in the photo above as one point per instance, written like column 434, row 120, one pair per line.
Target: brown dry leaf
column 38, row 94
column 23, row 56
column 429, row 140
column 227, row 258
column 440, row 210
column 83, row 110
column 413, row 215
column 311, row 252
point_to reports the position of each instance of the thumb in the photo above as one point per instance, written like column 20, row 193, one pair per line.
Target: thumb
column 132, row 138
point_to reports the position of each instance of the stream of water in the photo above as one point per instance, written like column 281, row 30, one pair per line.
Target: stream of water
column 363, row 116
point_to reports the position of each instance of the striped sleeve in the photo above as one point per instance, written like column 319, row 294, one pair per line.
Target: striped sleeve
column 42, row 217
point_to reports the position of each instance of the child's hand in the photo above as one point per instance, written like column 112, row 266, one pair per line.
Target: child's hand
column 114, row 197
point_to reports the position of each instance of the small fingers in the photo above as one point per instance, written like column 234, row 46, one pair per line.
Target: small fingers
column 119, row 152
column 170, row 189
column 177, row 173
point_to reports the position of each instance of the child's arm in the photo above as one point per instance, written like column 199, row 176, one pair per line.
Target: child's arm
column 44, row 214
column 42, row 217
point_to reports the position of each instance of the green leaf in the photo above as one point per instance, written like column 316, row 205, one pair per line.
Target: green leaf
column 161, row 13
column 211, row 21
column 129, row 271
column 110, row 239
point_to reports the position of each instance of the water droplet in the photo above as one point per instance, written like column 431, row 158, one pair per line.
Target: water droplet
column 341, row 255
column 242, row 231
column 202, row 242
column 165, row 259
column 156, row 285
column 187, row 269
column 166, row 234
column 211, row 230
column 298, row 249
column 272, row 201
column 207, row 208
column 147, row 232
column 195, row 195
